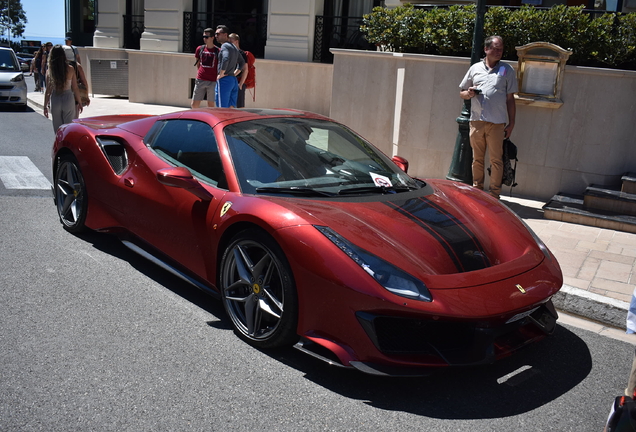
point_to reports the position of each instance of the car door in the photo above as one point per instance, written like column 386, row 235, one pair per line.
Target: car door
column 173, row 219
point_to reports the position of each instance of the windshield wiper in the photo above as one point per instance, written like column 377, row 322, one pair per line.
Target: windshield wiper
column 375, row 189
column 294, row 190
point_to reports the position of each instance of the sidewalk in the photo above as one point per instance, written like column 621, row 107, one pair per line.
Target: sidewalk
column 599, row 265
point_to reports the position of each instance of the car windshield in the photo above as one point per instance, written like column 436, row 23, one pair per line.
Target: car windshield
column 311, row 158
column 8, row 61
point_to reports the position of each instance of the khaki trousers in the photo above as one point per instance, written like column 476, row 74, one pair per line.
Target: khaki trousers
column 486, row 135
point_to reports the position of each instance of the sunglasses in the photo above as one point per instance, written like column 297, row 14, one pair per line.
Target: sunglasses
column 206, row 36
column 218, row 33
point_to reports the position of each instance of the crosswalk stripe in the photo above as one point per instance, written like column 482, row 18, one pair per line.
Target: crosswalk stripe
column 18, row 172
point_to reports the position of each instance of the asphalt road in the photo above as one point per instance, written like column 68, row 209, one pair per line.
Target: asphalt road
column 96, row 338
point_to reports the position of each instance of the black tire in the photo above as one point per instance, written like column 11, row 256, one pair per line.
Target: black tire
column 71, row 198
column 258, row 290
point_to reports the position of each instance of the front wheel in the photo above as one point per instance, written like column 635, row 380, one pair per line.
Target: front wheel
column 258, row 290
column 71, row 198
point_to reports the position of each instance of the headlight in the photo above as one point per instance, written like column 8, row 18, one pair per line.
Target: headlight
column 390, row 277
column 17, row 78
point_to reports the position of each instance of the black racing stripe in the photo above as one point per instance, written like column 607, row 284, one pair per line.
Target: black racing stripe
column 432, row 232
column 461, row 245
column 475, row 240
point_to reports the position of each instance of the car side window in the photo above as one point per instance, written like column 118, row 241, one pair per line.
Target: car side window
column 191, row 144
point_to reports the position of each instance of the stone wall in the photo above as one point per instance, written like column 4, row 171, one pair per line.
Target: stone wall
column 165, row 78
column 408, row 104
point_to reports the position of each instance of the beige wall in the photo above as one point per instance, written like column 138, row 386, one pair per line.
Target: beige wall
column 164, row 78
column 409, row 103
column 590, row 139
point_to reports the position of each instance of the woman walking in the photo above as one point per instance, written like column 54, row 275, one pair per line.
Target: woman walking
column 43, row 64
column 36, row 67
column 62, row 93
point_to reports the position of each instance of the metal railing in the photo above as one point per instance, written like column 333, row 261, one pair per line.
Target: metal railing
column 133, row 28
column 337, row 32
column 252, row 28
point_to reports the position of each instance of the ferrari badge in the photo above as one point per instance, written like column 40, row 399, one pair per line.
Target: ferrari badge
column 225, row 208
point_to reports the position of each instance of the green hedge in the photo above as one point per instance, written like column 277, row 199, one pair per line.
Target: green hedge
column 605, row 40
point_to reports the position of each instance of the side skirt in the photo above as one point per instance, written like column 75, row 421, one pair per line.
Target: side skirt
column 164, row 265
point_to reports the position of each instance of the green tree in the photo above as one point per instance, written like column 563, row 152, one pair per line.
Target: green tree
column 12, row 18
column 605, row 40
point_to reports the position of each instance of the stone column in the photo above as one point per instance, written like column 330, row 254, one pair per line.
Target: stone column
column 110, row 31
column 290, row 29
column 163, row 22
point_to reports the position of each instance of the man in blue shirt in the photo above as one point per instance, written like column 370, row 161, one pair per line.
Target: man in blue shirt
column 230, row 63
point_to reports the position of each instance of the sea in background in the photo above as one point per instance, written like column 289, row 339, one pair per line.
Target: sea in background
column 54, row 41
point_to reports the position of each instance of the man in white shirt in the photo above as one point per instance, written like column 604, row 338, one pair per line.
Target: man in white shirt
column 490, row 85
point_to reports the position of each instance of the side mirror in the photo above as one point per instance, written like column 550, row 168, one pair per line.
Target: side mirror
column 181, row 177
column 402, row 163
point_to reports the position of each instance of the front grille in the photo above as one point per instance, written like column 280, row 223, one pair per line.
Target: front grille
column 452, row 341
column 401, row 335
column 6, row 87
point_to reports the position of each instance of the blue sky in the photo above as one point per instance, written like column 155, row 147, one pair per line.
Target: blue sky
column 45, row 20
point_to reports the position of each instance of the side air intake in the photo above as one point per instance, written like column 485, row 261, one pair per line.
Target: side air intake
column 115, row 152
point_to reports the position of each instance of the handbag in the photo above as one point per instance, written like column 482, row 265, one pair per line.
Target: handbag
column 83, row 93
column 83, row 90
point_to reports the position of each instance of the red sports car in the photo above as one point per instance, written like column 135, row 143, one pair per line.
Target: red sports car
column 311, row 236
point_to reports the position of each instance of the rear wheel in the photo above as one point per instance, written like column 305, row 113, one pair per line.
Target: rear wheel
column 70, row 195
column 258, row 290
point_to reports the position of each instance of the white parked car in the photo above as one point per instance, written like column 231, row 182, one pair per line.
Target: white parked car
column 13, row 88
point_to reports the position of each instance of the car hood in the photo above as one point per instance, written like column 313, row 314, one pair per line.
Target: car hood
column 444, row 229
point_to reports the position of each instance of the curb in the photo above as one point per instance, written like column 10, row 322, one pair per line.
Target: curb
column 592, row 306
column 36, row 104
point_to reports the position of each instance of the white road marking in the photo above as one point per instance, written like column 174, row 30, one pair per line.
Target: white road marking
column 513, row 374
column 18, row 172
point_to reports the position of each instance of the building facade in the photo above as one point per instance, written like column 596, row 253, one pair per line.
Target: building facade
column 296, row 30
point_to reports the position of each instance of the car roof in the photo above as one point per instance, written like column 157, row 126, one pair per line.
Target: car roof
column 232, row 115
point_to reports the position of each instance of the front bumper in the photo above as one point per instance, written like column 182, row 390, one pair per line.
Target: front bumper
column 13, row 94
column 454, row 343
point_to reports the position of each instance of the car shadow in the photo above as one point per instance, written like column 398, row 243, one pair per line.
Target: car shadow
column 525, row 381
column 523, row 211
column 111, row 245
column 522, row 382
column 14, row 108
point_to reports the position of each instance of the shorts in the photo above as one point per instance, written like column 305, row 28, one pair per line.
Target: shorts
column 204, row 90
column 226, row 92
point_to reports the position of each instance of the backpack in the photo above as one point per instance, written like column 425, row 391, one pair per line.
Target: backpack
column 250, row 82
column 199, row 50
column 509, row 173
column 509, row 154
column 622, row 416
